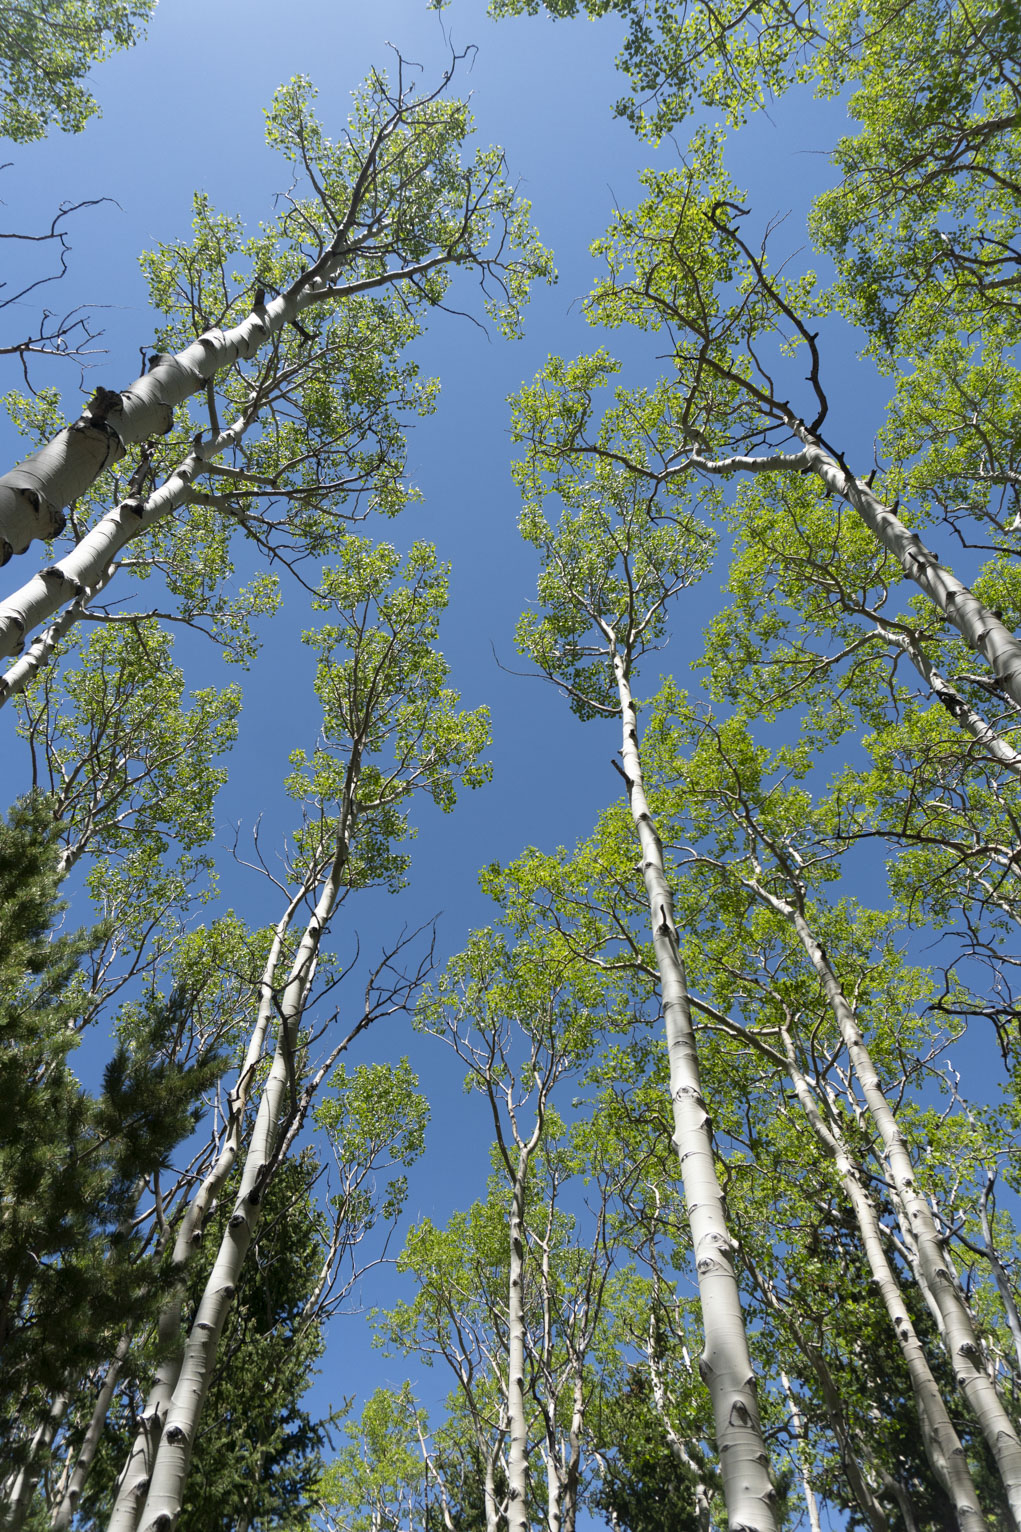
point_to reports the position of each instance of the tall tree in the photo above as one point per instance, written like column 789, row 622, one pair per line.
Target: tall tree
column 74, row 1164
column 608, row 574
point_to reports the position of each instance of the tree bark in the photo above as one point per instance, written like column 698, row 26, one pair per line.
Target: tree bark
column 85, row 1456
column 942, row 1445
column 173, row 1453
column 980, row 628
column 135, row 1476
column 963, row 1345
column 517, row 1431
column 725, row 1364
column 16, row 1493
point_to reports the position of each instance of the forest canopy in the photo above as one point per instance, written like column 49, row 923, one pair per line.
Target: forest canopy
column 669, row 1179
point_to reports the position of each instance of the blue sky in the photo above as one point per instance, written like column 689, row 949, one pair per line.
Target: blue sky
column 183, row 112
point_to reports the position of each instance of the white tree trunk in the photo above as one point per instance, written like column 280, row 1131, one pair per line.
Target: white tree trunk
column 135, row 1475
column 964, row 1346
column 942, row 1444
column 798, row 1430
column 725, row 1364
column 173, row 1453
column 517, row 1429
column 85, row 1456
column 33, row 495
column 981, row 630
column 17, row 1490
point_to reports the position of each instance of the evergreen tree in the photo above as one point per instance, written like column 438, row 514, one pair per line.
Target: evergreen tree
column 72, row 1163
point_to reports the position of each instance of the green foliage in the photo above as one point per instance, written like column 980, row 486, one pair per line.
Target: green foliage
column 260, row 1453
column 378, row 1478
column 72, row 1273
column 46, row 51
column 644, row 1487
column 390, row 723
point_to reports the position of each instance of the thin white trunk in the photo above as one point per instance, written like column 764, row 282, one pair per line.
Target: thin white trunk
column 572, row 1468
column 85, row 1456
column 725, row 1364
column 798, row 1429
column 492, row 1508
column 88, row 568
column 173, row 1453
column 981, row 630
column 703, row 1508
column 517, row 1430
column 34, row 495
column 964, row 1347
column 133, row 1482
column 942, row 1444
column 965, row 716
column 16, row 1493
column 999, row 1272
column 834, row 1406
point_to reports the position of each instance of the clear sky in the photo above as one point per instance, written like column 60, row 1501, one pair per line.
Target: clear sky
column 184, row 111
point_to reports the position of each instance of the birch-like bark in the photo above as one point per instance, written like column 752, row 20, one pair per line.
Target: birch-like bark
column 963, row 1344
column 173, row 1454
column 34, row 495
column 517, row 1430
column 966, row 717
column 1000, row 1273
column 16, row 1493
column 79, row 576
column 85, row 1456
column 492, row 1504
column 703, row 1507
column 133, row 1482
column 798, row 1430
column 942, row 1445
column 857, row 1482
column 725, row 1364
column 981, row 630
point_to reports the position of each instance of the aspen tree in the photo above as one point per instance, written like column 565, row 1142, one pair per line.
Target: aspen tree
column 387, row 215
column 525, row 1019
column 768, row 847
column 391, row 728
column 608, row 573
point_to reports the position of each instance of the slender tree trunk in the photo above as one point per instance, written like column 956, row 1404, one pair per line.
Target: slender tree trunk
column 133, row 1482
column 963, row 1344
column 798, row 1430
column 17, row 1491
column 942, row 1444
column 492, row 1509
column 517, row 1445
column 999, row 1272
column 173, row 1453
column 858, row 1484
column 34, row 495
column 965, row 716
column 980, row 628
column 81, row 574
column 85, row 1456
column 703, row 1507
column 572, row 1472
column 725, row 1363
